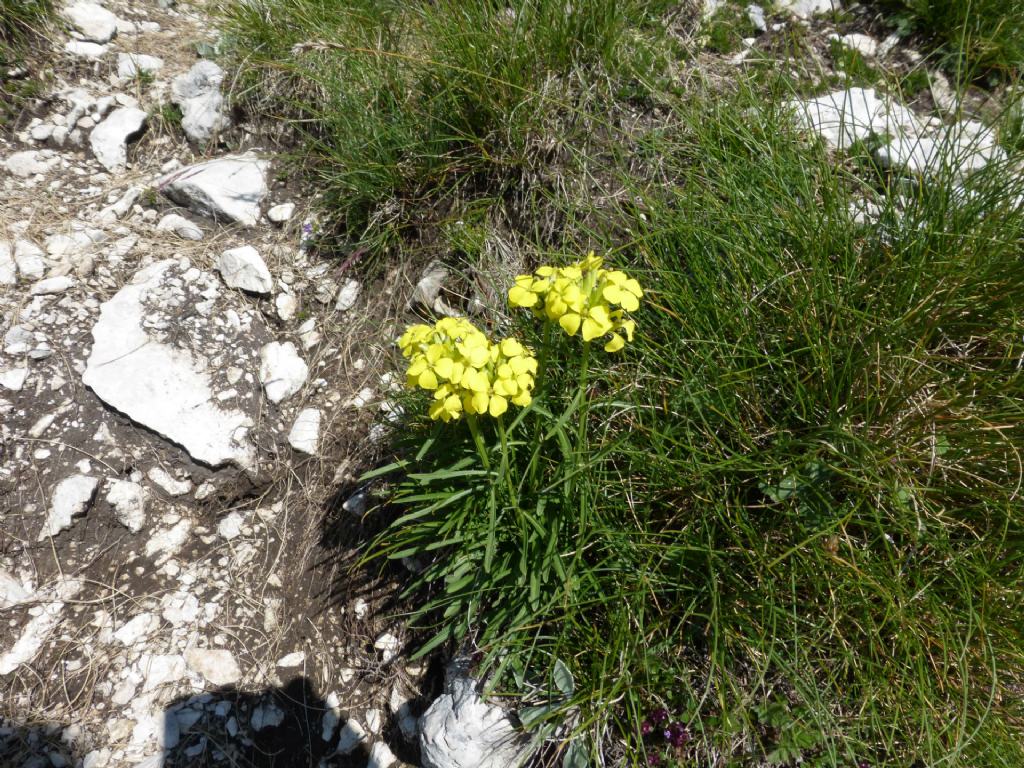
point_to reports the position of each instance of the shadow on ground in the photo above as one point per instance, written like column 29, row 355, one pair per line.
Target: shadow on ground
column 280, row 727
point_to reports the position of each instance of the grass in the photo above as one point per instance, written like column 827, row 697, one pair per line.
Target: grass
column 20, row 23
column 973, row 37
column 792, row 519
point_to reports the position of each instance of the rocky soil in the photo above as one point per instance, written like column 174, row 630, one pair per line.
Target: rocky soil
column 185, row 392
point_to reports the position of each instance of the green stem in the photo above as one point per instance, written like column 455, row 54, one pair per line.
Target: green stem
column 581, row 434
column 478, row 440
column 506, row 463
column 542, row 368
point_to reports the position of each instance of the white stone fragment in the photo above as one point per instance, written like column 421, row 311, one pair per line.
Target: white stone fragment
column 129, row 502
column 167, row 483
column 865, row 45
column 294, row 659
column 844, row 117
column 228, row 188
column 197, row 93
column 52, row 285
column 12, row 591
column 216, row 665
column 286, row 305
column 31, row 162
column 36, row 631
column 279, row 214
column 130, row 64
column 381, row 756
column 806, row 8
column 244, row 268
column 13, row 378
column 136, row 629
column 266, row 715
column 230, row 526
column 93, row 22
column 756, row 15
column 388, row 645
column 82, row 50
column 282, row 371
column 8, row 270
column 167, row 542
column 29, row 259
column 70, row 498
column 180, row 226
column 350, row 737
column 347, row 295
column 332, row 716
column 109, row 139
column 305, row 432
column 161, row 386
column 461, row 730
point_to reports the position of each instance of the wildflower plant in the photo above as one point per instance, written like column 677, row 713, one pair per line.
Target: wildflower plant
column 496, row 498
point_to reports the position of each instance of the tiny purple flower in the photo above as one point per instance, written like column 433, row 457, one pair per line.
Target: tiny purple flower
column 677, row 734
column 658, row 716
column 646, row 727
column 653, row 759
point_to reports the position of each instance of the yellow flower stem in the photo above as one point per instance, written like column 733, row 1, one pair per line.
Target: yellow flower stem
column 478, row 440
column 581, row 435
column 506, row 462
column 538, row 392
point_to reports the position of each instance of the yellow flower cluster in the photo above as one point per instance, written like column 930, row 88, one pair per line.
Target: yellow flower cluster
column 465, row 371
column 582, row 297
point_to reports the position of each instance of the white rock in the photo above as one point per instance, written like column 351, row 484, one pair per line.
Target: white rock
column 347, row 295
column 12, row 591
column 166, row 543
column 282, row 371
column 756, row 15
column 332, row 716
column 109, row 139
column 13, row 378
column 70, row 498
column 161, row 669
column 52, row 285
column 286, row 305
column 161, row 386
column 124, row 204
column 32, row 637
column 167, row 483
column 230, row 526
column 198, row 95
column 29, row 258
column 180, row 226
column 279, row 214
column 843, row 117
column 179, row 608
column 350, row 737
column 227, row 188
column 83, row 50
column 381, row 756
column 129, row 502
column 93, row 22
column 130, row 64
column 266, row 715
column 136, row 629
column 243, row 268
column 865, row 45
column 388, row 645
column 294, row 659
column 216, row 665
column 958, row 151
column 305, row 432
column 461, row 730
column 8, row 270
column 41, row 132
column 807, row 8
column 30, row 162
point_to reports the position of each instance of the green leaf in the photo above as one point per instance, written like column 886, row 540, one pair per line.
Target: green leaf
column 563, row 679
column 576, row 756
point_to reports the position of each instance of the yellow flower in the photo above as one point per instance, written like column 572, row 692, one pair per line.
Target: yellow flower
column 466, row 372
column 582, row 298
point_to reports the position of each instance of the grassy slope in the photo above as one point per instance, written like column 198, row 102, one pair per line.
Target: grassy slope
column 20, row 23
column 807, row 540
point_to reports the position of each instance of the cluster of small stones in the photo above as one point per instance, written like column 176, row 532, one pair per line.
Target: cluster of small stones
column 161, row 341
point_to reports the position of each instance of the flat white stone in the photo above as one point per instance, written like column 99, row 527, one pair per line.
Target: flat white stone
column 227, row 188
column 286, row 305
column 29, row 259
column 109, row 139
column 844, row 117
column 197, row 93
column 305, row 432
column 161, row 669
column 381, row 756
column 282, row 371
column 70, row 498
column 31, row 162
column 332, row 716
column 244, row 268
column 180, row 226
column 8, row 269
column 865, row 45
column 351, row 736
column 216, row 665
column 165, row 388
column 129, row 502
column 388, row 645
column 12, row 591
column 130, row 64
column 179, row 608
column 230, row 526
column 136, row 629
column 347, row 295
column 279, row 214
column 294, row 659
column 84, row 50
column 93, row 22
column 266, row 715
column 166, row 543
column 168, row 483
column 13, row 378
column 52, row 285
column 807, row 8
column 958, row 151
column 33, row 636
